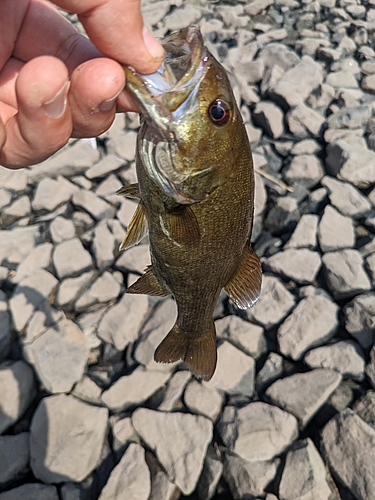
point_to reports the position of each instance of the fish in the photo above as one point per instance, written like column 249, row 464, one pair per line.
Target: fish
column 196, row 196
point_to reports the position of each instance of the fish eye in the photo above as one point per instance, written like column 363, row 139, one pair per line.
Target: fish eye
column 219, row 112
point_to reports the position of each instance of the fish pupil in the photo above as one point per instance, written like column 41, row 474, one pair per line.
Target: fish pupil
column 219, row 112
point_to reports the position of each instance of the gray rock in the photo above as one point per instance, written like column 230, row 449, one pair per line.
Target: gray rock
column 370, row 266
column 70, row 491
column 346, row 357
column 303, row 394
column 17, row 391
column 42, row 319
column 312, row 322
column 257, row 432
column 103, row 246
column 210, row 477
column 67, row 438
column 123, row 434
column 270, row 118
column 19, row 208
column 161, row 486
column 202, row 400
column 17, row 243
column 273, row 53
column 5, row 198
column 272, row 369
column 123, row 146
column 87, row 390
column 104, row 289
column 242, row 334
column 247, row 479
column 67, row 266
column 175, row 388
column 67, row 352
column 14, row 457
column 121, row 323
column 179, row 441
column 51, row 193
column 306, row 170
column 5, row 327
column 370, row 368
column 368, row 83
column 62, row 229
column 311, row 479
column 284, row 212
column 13, row 180
column 304, row 235
column 350, row 117
column 130, row 478
column 107, row 189
column 305, row 147
column 32, row 491
column 126, row 212
column 346, row 198
column 299, row 264
column 38, row 258
column 71, row 288
column 105, row 166
column 364, row 407
column 273, row 305
column 134, row 260
column 91, row 203
column 260, row 195
column 345, row 274
column 348, row 445
column 335, row 231
column 304, row 121
column 182, row 17
column 4, row 274
column 133, row 390
column 360, row 319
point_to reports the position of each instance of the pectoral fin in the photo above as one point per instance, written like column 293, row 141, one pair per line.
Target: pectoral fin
column 129, row 191
column 137, row 228
column 244, row 286
column 148, row 284
column 182, row 226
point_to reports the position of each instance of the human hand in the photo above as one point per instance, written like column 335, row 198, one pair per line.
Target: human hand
column 56, row 84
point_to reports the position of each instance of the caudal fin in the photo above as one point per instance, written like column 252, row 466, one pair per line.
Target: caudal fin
column 198, row 353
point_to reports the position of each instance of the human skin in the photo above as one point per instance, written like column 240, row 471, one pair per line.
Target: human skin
column 56, row 84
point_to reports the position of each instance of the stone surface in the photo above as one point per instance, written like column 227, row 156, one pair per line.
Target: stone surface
column 38, row 258
column 67, row 266
column 135, row 260
column 210, row 477
column 364, row 407
column 104, row 289
column 200, row 399
column 66, row 439
column 91, row 203
column 270, row 118
column 62, row 229
column 105, row 166
column 18, row 209
column 335, row 231
column 179, row 441
column 70, row 289
column 175, row 388
column 272, row 369
column 242, row 334
column 32, row 491
column 103, row 246
column 346, row 198
column 304, row 235
column 360, row 319
column 14, row 457
column 17, row 243
column 305, row 170
column 51, row 193
column 299, row 264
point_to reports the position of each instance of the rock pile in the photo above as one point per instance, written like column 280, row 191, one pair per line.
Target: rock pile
column 85, row 412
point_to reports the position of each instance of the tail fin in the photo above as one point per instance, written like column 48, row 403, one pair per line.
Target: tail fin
column 198, row 353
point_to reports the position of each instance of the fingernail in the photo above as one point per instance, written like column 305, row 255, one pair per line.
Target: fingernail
column 153, row 46
column 55, row 107
column 109, row 103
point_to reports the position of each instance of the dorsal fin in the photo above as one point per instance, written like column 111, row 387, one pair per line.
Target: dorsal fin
column 148, row 284
column 244, row 286
column 137, row 228
column 129, row 191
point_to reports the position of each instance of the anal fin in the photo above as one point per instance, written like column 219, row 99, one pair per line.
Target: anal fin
column 148, row 284
column 182, row 226
column 137, row 228
column 129, row 191
column 244, row 286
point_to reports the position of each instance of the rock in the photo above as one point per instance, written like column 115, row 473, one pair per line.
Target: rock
column 107, row 189
column 71, row 288
column 345, row 274
column 38, row 258
column 272, row 369
column 13, row 180
column 304, row 121
column 351, row 162
column 179, row 441
column 235, row 371
column 32, row 491
column 360, row 319
column 42, row 319
column 258, row 431
column 29, row 296
column 17, row 391
column 260, row 195
column 103, row 246
column 203, row 400
column 311, row 479
column 134, row 260
column 59, row 356
column 306, row 170
column 130, row 478
column 299, row 264
column 126, row 212
column 346, row 357
column 364, row 407
column 283, row 214
column 348, row 445
column 51, row 193
column 105, row 166
column 161, row 486
column 123, row 434
column 242, row 334
column 104, row 289
column 370, row 266
column 65, row 265
column 14, row 457
column 335, row 231
column 312, row 322
column 270, row 118
column 112, row 327
column 305, row 147
column 351, row 117
column 67, row 438
column 370, row 368
column 304, row 235
column 133, row 390
column 18, row 209
column 348, row 200
column 247, row 479
column 368, row 83
column 273, row 305
column 123, row 145
column 5, row 327
column 210, row 477
column 303, row 394
column 273, row 53
column 87, row 390
column 176, row 386
column 182, row 17
column 70, row 491
column 91, row 203
column 17, row 243
column 62, row 229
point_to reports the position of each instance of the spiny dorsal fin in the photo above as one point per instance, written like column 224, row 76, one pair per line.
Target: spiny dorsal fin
column 148, row 284
column 182, row 226
column 244, row 286
column 137, row 228
column 129, row 191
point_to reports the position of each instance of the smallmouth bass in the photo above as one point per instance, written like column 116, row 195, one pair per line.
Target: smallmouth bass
column 196, row 196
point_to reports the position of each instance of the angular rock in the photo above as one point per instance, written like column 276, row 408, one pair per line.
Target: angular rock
column 284, row 213
column 17, row 243
column 304, row 121
column 126, row 212
column 123, row 434
column 346, row 198
column 67, row 438
column 176, row 386
column 370, row 368
column 360, row 319
column 103, row 246
column 346, row 357
column 370, row 266
column 133, row 390
column 91, row 203
column 304, row 235
column 130, row 478
column 348, row 445
column 161, row 486
column 305, row 147
column 135, row 260
column 311, row 479
column 273, row 53
column 42, row 319
column 202, row 400
column 312, row 322
column 306, row 170
column 65, row 264
column 32, row 491
column 5, row 327
column 365, row 408
column 71, row 288
column 107, row 189
column 273, row 305
column 299, row 264
column 38, row 258
column 210, row 477
column 67, row 350
column 270, row 118
column 52, row 193
column 17, row 391
column 14, row 457
column 335, row 231
column 303, row 394
column 13, row 180
column 257, row 432
column 272, row 369
column 351, row 117
column 104, row 289
column 18, row 209
column 87, row 390
column 123, row 146
column 62, row 229
column 260, row 195
column 105, row 166
column 345, row 274
column 179, row 441
column 242, row 334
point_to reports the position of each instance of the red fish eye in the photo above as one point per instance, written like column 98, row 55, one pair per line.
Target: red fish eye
column 219, row 112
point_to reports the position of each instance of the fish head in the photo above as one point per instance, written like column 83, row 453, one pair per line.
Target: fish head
column 187, row 138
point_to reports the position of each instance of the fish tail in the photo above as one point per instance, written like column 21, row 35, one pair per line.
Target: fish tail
column 198, row 351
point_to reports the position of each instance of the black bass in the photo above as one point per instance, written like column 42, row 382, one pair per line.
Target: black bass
column 196, row 196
